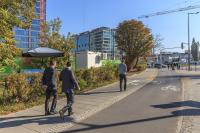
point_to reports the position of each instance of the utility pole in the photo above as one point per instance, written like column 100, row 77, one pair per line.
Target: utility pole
column 189, row 42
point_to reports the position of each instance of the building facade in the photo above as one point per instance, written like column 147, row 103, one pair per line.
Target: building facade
column 98, row 40
column 169, row 57
column 27, row 39
column 82, row 41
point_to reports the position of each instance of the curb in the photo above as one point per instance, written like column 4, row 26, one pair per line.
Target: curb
column 180, row 121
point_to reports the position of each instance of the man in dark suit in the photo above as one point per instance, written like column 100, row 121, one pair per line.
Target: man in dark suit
column 49, row 81
column 69, row 83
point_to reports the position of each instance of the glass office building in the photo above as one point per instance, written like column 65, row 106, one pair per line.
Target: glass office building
column 27, row 39
column 83, row 41
column 99, row 40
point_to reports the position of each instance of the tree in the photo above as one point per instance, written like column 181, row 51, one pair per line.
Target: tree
column 157, row 43
column 195, row 49
column 51, row 37
column 18, row 13
column 135, row 40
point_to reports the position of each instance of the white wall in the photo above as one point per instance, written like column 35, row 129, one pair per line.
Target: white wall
column 81, row 60
column 88, row 59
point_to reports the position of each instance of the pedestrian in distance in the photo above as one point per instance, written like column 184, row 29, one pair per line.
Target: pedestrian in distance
column 122, row 74
column 69, row 83
column 173, row 66
column 168, row 66
column 49, row 81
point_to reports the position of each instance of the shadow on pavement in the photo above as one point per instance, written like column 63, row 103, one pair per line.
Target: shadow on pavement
column 177, row 113
column 39, row 119
column 189, row 103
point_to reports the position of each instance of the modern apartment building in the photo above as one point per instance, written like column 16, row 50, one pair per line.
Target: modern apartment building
column 27, row 39
column 98, row 40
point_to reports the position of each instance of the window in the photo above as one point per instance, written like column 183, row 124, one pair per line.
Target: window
column 34, row 33
column 35, row 22
column 34, row 39
column 37, row 4
column 36, row 28
column 37, row 10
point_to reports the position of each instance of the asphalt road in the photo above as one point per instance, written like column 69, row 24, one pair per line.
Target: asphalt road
column 152, row 109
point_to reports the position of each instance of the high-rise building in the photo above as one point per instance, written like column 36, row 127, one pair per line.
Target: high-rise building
column 27, row 39
column 99, row 40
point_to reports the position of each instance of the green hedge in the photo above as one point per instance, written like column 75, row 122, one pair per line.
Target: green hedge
column 95, row 77
column 23, row 88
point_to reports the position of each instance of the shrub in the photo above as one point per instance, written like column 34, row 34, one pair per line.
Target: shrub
column 18, row 88
column 94, row 77
column 36, row 89
column 28, row 88
column 141, row 66
column 82, row 83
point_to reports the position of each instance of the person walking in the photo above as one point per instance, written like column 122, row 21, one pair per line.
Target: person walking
column 168, row 66
column 69, row 83
column 49, row 81
column 122, row 74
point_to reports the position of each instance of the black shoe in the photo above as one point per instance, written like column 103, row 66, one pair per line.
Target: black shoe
column 61, row 115
column 53, row 112
column 47, row 113
column 70, row 113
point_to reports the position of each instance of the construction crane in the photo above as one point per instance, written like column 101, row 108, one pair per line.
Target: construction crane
column 170, row 11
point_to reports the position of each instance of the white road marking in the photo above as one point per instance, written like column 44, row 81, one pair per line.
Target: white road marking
column 170, row 87
column 134, row 82
column 157, row 82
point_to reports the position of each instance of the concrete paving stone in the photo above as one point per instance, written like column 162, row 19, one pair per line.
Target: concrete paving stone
column 93, row 98
column 17, row 130
column 81, row 103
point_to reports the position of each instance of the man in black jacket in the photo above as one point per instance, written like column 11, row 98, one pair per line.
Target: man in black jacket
column 69, row 83
column 49, row 81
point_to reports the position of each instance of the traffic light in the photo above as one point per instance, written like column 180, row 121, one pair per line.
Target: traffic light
column 182, row 46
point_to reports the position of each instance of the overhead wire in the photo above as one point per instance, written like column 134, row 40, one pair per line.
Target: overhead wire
column 190, row 7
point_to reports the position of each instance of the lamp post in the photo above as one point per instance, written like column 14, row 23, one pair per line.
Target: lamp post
column 189, row 38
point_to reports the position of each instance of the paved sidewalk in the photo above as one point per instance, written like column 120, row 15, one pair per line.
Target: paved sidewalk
column 32, row 120
column 191, row 103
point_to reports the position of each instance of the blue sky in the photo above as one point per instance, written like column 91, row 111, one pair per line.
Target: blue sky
column 82, row 15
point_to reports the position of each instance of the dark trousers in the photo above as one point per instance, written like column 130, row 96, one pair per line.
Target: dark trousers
column 50, row 93
column 122, row 77
column 70, row 101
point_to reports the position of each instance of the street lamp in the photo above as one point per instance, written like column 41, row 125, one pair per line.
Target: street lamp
column 189, row 38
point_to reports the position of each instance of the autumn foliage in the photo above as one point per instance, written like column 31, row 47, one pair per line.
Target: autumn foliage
column 135, row 40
